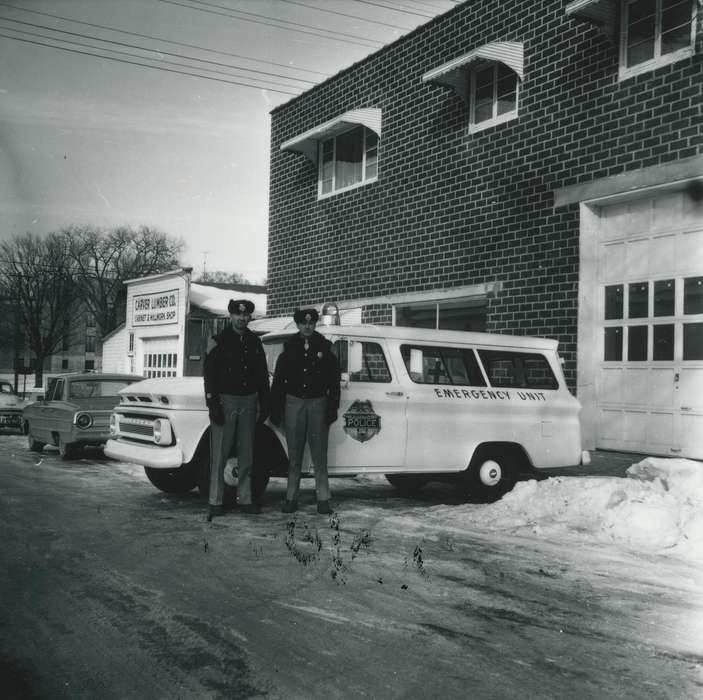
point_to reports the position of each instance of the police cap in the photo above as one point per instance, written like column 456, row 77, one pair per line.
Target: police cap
column 240, row 306
column 306, row 315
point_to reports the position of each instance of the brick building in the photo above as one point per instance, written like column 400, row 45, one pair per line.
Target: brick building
column 517, row 167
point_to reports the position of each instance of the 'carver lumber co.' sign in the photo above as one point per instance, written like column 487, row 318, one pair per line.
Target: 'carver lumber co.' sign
column 150, row 309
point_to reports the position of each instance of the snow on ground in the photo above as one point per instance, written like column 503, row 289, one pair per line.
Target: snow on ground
column 657, row 508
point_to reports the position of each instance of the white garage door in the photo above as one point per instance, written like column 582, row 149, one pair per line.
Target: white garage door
column 649, row 375
column 160, row 356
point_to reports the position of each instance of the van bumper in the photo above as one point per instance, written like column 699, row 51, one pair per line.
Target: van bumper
column 147, row 455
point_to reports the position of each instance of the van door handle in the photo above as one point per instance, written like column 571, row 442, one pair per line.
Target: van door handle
column 395, row 393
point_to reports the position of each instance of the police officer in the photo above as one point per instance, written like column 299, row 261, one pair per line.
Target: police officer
column 305, row 393
column 237, row 394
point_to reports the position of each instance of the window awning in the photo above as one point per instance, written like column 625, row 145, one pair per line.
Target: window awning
column 306, row 143
column 454, row 74
column 601, row 12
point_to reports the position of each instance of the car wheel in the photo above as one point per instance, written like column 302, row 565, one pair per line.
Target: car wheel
column 68, row 450
column 407, row 484
column 34, row 445
column 491, row 474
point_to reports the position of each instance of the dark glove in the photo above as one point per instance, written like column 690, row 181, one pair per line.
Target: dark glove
column 215, row 411
column 263, row 415
column 331, row 416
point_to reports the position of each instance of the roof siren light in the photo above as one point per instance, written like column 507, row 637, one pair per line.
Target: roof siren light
column 330, row 315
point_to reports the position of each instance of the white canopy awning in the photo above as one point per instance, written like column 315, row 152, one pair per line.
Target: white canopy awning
column 455, row 73
column 601, row 12
column 306, row 143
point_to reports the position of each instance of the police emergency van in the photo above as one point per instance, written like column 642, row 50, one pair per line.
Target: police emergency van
column 416, row 405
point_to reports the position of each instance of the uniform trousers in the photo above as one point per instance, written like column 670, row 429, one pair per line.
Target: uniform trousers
column 305, row 422
column 240, row 424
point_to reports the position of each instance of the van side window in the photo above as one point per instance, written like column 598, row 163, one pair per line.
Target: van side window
column 374, row 367
column 436, row 365
column 518, row 370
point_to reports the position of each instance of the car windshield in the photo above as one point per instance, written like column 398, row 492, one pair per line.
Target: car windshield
column 93, row 388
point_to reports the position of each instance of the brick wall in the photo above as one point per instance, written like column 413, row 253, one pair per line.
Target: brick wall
column 450, row 208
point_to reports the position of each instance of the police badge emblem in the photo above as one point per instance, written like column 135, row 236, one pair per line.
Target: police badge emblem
column 361, row 422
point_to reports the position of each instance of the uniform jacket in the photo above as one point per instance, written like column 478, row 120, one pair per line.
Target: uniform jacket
column 237, row 365
column 307, row 374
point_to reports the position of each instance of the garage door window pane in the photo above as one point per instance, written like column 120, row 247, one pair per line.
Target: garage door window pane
column 664, row 298
column 613, row 301
column 693, row 295
column 693, row 341
column 637, row 343
column 638, row 299
column 663, row 348
column 613, row 344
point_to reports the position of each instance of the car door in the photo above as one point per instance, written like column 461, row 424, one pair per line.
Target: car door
column 371, row 430
column 42, row 411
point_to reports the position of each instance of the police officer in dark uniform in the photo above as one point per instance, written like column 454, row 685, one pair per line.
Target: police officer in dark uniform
column 305, row 393
column 237, row 394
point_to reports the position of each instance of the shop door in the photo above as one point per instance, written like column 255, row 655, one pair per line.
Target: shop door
column 650, row 365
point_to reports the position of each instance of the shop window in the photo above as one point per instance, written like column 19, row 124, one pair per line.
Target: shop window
column 494, row 92
column 348, row 160
column 655, row 33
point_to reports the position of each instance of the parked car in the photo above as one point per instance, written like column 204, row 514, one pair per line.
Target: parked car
column 416, row 405
column 75, row 412
column 11, row 407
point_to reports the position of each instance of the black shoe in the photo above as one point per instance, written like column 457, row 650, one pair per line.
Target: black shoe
column 215, row 512
column 289, row 506
column 323, row 507
column 250, row 508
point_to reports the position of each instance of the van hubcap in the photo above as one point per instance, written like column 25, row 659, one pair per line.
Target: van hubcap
column 490, row 473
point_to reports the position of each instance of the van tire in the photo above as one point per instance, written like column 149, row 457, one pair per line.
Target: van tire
column 491, row 474
column 260, row 473
column 180, row 480
column 407, row 484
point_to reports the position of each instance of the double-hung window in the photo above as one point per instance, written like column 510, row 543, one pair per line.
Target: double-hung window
column 348, row 160
column 655, row 33
column 494, row 92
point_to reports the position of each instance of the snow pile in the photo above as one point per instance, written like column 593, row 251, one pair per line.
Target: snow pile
column 657, row 508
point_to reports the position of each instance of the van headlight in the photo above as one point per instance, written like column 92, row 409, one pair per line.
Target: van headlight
column 162, row 432
column 84, row 420
column 113, row 425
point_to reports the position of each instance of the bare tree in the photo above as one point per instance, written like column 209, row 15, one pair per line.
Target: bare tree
column 103, row 261
column 220, row 277
column 35, row 273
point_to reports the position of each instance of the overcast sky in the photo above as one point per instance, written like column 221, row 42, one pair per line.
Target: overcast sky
column 89, row 140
